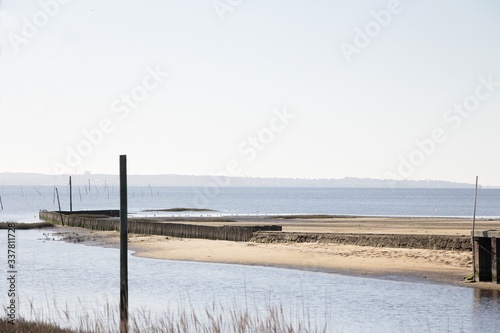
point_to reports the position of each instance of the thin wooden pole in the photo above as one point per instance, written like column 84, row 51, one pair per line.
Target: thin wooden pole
column 123, row 246
column 1, row 203
column 473, row 230
column 70, row 195
column 59, row 203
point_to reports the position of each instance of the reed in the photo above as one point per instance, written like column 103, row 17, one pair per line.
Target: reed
column 215, row 318
column 31, row 327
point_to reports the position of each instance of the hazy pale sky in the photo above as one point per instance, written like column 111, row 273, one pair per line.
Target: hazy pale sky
column 306, row 89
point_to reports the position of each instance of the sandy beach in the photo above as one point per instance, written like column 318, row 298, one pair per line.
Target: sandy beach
column 432, row 265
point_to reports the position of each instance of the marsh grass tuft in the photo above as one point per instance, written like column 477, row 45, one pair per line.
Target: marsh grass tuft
column 214, row 319
column 31, row 327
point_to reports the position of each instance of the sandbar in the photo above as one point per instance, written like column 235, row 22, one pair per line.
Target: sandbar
column 421, row 264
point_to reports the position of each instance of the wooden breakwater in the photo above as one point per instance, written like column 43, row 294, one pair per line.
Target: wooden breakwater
column 431, row 242
column 231, row 233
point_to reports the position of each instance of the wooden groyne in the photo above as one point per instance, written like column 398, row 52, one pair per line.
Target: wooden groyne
column 431, row 242
column 84, row 220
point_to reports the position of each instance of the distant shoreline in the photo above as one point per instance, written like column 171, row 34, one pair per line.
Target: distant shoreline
column 30, row 179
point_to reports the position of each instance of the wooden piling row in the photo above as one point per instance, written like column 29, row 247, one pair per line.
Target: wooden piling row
column 231, row 233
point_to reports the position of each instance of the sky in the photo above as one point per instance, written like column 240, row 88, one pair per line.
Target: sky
column 302, row 89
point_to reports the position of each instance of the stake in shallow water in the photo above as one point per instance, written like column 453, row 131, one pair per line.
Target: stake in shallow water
column 40, row 194
column 59, row 203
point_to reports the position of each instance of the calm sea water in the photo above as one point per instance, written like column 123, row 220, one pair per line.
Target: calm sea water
column 80, row 279
column 23, row 203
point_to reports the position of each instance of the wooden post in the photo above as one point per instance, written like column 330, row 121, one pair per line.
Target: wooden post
column 123, row 246
column 484, row 259
column 59, row 203
column 494, row 261
column 70, row 195
column 473, row 230
column 497, row 262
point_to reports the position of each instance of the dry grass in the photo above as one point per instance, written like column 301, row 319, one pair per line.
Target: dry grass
column 30, row 327
column 215, row 319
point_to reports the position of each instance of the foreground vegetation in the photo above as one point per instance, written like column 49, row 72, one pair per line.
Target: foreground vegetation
column 217, row 319
column 31, row 327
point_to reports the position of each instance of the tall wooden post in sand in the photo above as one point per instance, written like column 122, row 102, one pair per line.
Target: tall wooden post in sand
column 123, row 246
